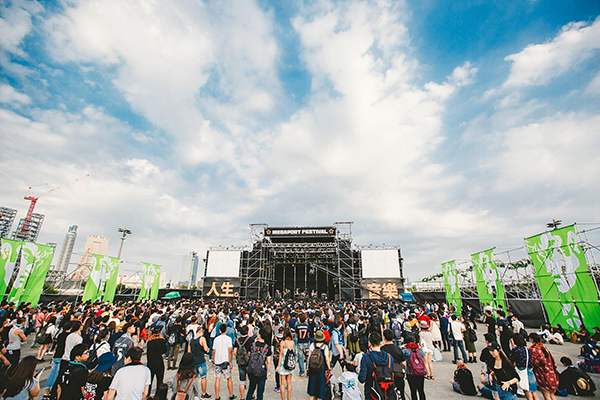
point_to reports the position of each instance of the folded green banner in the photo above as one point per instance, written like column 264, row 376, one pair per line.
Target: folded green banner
column 8, row 259
column 150, row 281
column 452, row 289
column 35, row 283
column 489, row 287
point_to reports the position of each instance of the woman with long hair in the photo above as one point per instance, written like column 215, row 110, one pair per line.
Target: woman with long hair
column 426, row 343
column 23, row 385
column 436, row 332
column 185, row 379
column 521, row 358
column 544, row 367
column 469, row 344
column 49, row 330
column 503, row 373
column 285, row 375
column 101, row 343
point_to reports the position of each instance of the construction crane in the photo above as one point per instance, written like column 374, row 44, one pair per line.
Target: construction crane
column 34, row 199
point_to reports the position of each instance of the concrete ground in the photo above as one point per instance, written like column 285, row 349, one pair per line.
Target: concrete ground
column 439, row 388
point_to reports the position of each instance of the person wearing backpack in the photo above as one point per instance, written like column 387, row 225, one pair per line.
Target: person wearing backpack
column 396, row 328
column 174, row 339
column 287, row 364
column 352, row 335
column 377, row 371
column 155, row 348
column 415, row 371
column 241, row 351
column 303, row 333
column 318, row 364
column 337, row 344
column 258, row 366
column 185, row 384
column 399, row 360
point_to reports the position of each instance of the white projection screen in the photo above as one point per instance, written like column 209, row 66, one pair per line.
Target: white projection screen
column 380, row 263
column 225, row 263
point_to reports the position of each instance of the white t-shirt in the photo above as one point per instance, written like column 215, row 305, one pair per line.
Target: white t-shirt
column 457, row 328
column 517, row 326
column 192, row 327
column 325, row 348
column 72, row 340
column 130, row 382
column 221, row 347
column 350, row 389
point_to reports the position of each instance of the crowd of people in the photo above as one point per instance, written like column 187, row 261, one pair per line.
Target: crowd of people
column 96, row 351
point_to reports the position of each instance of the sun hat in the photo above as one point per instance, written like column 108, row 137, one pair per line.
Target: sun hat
column 319, row 336
column 106, row 361
column 187, row 361
column 424, row 325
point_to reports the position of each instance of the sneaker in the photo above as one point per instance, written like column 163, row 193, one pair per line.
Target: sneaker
column 233, row 398
column 301, row 375
column 205, row 396
column 277, row 390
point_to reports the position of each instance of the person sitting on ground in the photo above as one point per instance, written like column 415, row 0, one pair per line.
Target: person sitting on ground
column 591, row 362
column 555, row 337
column 488, row 388
column 583, row 336
column 595, row 338
column 574, row 381
column 462, row 382
column 485, row 355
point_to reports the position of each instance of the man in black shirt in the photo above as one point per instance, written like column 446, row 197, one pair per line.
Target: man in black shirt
column 463, row 380
column 258, row 383
column 243, row 341
column 399, row 360
column 575, row 381
column 490, row 322
column 156, row 347
column 71, row 381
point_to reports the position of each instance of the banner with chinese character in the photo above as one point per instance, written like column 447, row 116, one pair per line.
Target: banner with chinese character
column 35, row 283
column 26, row 262
column 155, row 283
column 221, row 287
column 489, row 287
column 451, row 285
column 561, row 271
column 150, row 279
column 381, row 288
column 111, row 268
column 8, row 259
column 95, row 283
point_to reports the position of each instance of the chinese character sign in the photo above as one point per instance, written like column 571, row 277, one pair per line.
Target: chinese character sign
column 381, row 289
column 221, row 287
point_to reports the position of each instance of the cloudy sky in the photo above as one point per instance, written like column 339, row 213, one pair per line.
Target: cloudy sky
column 442, row 127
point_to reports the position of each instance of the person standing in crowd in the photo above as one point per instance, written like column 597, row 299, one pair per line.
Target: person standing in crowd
column 462, row 381
column 155, row 348
column 445, row 331
column 348, row 380
column 399, row 360
column 504, row 331
column 261, row 351
column 174, row 338
column 317, row 381
column 133, row 380
column 337, row 344
column 122, row 345
column 286, row 349
column 521, row 358
column 469, row 343
column 99, row 379
column 72, row 379
column 222, row 353
column 415, row 371
column 370, row 360
column 186, row 380
column 504, row 375
column 490, row 322
column 23, row 382
column 16, row 336
column 46, row 335
column 199, row 349
column 58, row 354
column 427, row 347
column 241, row 350
column 544, row 368
column 435, row 330
column 73, row 339
column 303, row 338
column 458, row 328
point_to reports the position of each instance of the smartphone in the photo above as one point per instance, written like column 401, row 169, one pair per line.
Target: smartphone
column 39, row 372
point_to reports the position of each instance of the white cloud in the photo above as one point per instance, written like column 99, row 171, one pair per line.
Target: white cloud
column 594, row 86
column 16, row 23
column 537, row 64
column 463, row 75
column 9, row 95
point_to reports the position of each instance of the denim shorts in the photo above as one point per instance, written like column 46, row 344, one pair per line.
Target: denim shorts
column 201, row 370
column 242, row 374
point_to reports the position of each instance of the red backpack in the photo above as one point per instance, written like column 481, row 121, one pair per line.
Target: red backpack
column 416, row 366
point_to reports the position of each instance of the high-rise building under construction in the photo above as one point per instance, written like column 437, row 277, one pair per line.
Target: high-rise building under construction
column 67, row 249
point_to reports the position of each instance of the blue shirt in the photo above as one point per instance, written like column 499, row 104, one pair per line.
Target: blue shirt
column 302, row 331
column 335, row 339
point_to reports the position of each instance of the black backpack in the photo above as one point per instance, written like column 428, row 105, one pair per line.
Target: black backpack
column 382, row 382
column 256, row 361
column 353, row 335
column 242, row 356
column 289, row 360
column 472, row 335
column 92, row 360
column 316, row 361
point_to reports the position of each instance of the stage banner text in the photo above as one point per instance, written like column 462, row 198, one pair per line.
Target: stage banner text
column 222, row 288
column 381, row 288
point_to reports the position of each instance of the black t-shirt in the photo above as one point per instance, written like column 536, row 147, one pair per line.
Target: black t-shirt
column 60, row 344
column 96, row 390
column 395, row 352
column 375, row 324
column 71, row 380
column 505, row 373
column 464, row 377
column 245, row 341
column 491, row 323
column 568, row 381
column 156, row 348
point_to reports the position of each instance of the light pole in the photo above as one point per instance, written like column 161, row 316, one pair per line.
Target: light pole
column 192, row 269
column 125, row 233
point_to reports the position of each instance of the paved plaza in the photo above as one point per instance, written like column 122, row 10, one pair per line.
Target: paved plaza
column 439, row 388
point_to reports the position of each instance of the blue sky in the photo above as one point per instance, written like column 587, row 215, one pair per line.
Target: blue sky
column 442, row 127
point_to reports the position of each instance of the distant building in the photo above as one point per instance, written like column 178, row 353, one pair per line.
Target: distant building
column 93, row 245
column 29, row 229
column 67, row 250
column 7, row 217
column 195, row 262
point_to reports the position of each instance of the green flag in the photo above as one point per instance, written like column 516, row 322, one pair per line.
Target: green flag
column 111, row 273
column 489, row 287
column 27, row 260
column 156, row 282
column 451, row 284
column 95, row 283
column 8, row 259
column 561, row 271
column 149, row 281
column 35, row 283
